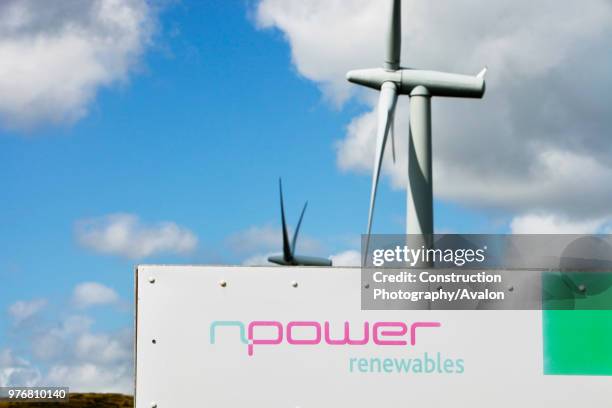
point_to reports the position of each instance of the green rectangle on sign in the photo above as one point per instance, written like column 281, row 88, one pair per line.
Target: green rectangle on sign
column 577, row 341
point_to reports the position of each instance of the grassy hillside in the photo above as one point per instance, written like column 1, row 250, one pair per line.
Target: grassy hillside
column 79, row 401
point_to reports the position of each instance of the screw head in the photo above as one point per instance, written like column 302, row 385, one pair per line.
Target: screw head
column 581, row 288
column 222, row 283
column 294, row 284
column 151, row 279
column 511, row 288
column 366, row 286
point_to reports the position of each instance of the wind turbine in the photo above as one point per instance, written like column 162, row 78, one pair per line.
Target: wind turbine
column 393, row 80
column 289, row 257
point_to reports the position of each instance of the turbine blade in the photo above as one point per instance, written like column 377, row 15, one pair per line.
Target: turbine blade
column 482, row 73
column 386, row 107
column 392, row 132
column 287, row 254
column 297, row 229
column 394, row 36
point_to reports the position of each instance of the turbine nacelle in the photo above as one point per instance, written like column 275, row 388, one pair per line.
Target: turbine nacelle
column 437, row 83
column 299, row 260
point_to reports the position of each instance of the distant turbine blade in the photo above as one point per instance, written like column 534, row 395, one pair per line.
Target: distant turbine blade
column 287, row 254
column 394, row 36
column 297, row 229
column 386, row 108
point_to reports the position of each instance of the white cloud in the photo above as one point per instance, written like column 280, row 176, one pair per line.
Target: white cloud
column 89, row 377
column 101, row 348
column 554, row 224
column 54, row 59
column 16, row 371
column 257, row 243
column 258, row 260
column 126, row 235
column 93, row 294
column 347, row 258
column 538, row 142
column 76, row 356
column 93, row 362
column 327, row 37
column 267, row 239
column 69, row 350
column 256, row 238
column 52, row 343
column 23, row 310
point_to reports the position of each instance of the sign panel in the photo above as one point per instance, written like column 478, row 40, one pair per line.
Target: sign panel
column 220, row 336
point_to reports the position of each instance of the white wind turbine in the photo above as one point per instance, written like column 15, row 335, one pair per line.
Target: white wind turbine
column 420, row 85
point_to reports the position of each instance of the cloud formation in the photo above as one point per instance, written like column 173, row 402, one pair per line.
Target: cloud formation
column 259, row 260
column 259, row 242
column 84, row 359
column 17, row 371
column 537, row 143
column 23, row 310
column 67, row 350
column 552, row 224
column 54, row 59
column 347, row 258
column 125, row 235
column 89, row 294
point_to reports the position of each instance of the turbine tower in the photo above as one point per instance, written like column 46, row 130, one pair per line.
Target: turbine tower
column 393, row 80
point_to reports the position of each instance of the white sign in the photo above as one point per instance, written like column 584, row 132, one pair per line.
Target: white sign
column 217, row 336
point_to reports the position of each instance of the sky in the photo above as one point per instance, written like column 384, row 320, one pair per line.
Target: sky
column 155, row 132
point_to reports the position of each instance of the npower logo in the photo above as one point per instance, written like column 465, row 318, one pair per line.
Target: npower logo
column 299, row 333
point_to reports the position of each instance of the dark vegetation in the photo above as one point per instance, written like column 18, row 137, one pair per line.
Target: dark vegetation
column 79, row 401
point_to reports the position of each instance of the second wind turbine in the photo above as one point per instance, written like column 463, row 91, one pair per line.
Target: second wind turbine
column 393, row 80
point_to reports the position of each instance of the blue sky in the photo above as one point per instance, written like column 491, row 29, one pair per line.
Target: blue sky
column 196, row 132
column 199, row 137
